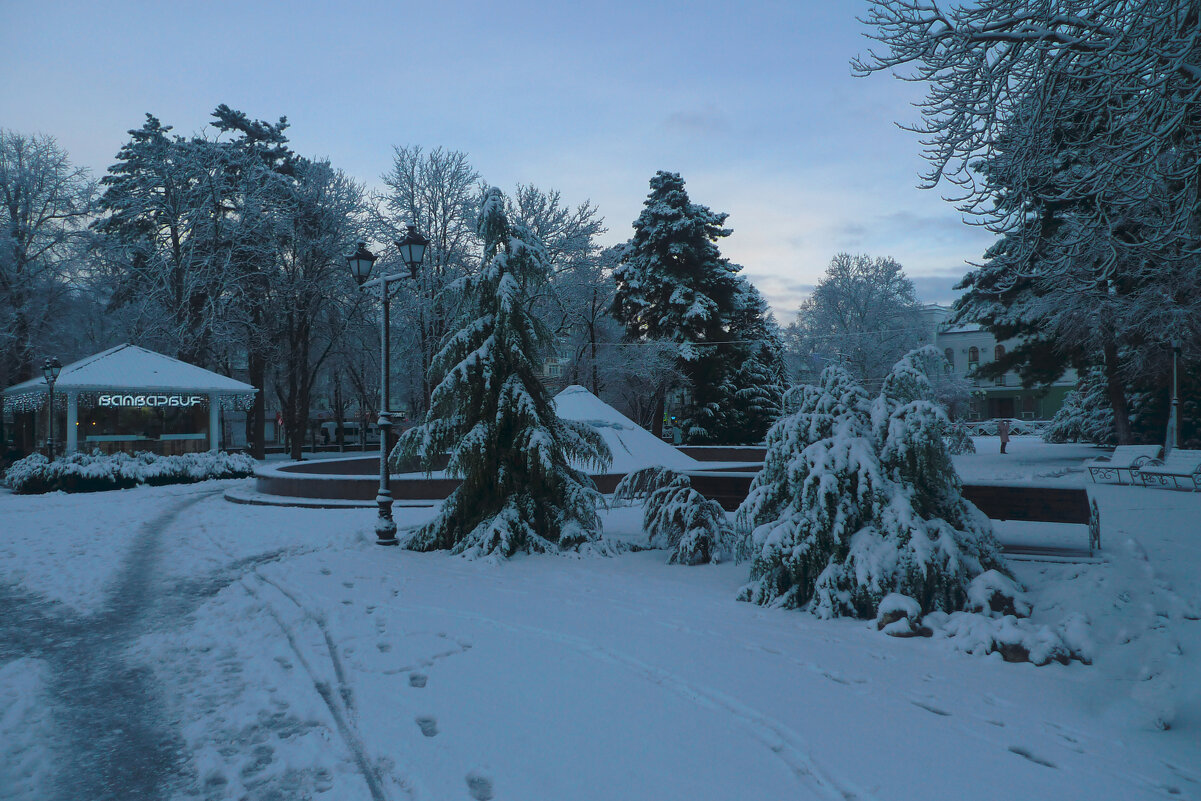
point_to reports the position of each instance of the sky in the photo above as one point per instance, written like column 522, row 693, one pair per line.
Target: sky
column 754, row 104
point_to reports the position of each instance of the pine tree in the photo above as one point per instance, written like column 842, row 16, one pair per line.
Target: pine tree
column 760, row 382
column 491, row 411
column 859, row 499
column 673, row 284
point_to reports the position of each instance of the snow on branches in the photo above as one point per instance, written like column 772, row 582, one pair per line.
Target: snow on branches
column 858, row 499
column 492, row 413
column 693, row 528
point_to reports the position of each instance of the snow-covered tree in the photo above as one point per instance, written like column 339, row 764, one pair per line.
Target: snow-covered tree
column 491, row 412
column 1136, row 64
column 858, row 499
column 673, row 284
column 437, row 191
column 1086, row 415
column 863, row 314
column 45, row 204
column 675, row 516
column 761, row 380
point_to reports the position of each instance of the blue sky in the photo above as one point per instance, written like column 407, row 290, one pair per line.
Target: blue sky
column 753, row 104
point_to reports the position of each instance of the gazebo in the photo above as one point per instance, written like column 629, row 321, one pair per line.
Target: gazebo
column 128, row 398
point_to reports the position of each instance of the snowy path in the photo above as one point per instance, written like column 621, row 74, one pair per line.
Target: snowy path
column 112, row 742
column 281, row 654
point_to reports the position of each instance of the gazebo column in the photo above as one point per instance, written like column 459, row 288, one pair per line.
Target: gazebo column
column 72, row 422
column 214, row 421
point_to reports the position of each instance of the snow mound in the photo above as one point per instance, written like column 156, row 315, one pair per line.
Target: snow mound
column 633, row 447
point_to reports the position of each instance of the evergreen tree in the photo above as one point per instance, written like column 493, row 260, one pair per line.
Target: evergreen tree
column 859, row 499
column 491, row 411
column 673, row 284
column 760, row 382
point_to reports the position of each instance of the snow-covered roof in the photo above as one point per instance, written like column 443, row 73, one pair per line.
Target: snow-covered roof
column 633, row 447
column 130, row 368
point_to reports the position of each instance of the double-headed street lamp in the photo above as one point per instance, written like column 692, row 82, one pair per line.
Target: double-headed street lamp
column 412, row 252
column 50, row 370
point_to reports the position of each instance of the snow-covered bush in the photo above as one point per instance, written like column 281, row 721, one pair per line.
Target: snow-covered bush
column 95, row 472
column 858, row 499
column 491, row 411
column 675, row 516
column 1086, row 414
column 958, row 440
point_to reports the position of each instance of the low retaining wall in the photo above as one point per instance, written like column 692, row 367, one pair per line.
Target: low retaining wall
column 357, row 479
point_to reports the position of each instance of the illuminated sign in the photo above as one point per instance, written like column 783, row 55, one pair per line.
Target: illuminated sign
column 176, row 401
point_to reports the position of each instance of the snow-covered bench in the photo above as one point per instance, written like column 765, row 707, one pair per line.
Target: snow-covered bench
column 1180, row 468
column 1124, row 457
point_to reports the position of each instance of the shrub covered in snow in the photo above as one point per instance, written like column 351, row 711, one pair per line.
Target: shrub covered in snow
column 858, row 499
column 94, row 472
column 958, row 440
column 693, row 528
column 494, row 415
column 1086, row 414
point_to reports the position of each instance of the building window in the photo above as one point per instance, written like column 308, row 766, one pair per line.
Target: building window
column 973, row 356
column 998, row 352
column 950, row 354
column 1028, row 409
column 999, row 381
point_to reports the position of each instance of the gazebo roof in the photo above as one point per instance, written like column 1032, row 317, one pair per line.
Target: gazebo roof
column 129, row 368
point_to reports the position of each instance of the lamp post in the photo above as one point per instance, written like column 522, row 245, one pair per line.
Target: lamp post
column 1173, row 435
column 412, row 252
column 50, row 370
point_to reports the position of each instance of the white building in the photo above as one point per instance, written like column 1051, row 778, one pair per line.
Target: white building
column 967, row 347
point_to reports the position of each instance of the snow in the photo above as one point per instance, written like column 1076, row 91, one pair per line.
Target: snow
column 134, row 369
column 633, row 447
column 293, row 658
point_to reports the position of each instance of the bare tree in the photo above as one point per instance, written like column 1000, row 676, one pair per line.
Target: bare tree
column 45, row 205
column 864, row 313
column 999, row 68
column 438, row 192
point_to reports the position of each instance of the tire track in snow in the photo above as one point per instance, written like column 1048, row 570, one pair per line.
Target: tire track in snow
column 776, row 736
column 337, row 709
column 340, row 706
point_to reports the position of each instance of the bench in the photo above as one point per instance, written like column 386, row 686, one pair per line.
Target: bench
column 1179, row 467
column 1124, row 457
column 1038, row 504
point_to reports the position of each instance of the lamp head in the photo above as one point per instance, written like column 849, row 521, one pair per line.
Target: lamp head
column 360, row 263
column 412, row 249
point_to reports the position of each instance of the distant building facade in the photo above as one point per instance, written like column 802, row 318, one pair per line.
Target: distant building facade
column 968, row 347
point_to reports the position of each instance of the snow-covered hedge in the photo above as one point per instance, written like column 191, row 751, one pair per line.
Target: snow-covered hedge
column 858, row 499
column 95, row 472
column 675, row 516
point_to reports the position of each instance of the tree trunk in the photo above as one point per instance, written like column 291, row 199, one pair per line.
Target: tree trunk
column 1117, row 395
column 256, row 372
column 657, row 418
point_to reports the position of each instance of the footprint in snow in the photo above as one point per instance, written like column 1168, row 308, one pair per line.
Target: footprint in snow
column 933, row 709
column 479, row 786
column 325, row 571
column 417, row 679
column 1022, row 752
column 348, row 584
column 384, row 647
column 428, row 725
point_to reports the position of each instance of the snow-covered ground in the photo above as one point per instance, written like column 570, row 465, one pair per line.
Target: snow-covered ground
column 266, row 653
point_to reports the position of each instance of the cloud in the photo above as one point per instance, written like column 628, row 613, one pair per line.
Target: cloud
column 708, row 120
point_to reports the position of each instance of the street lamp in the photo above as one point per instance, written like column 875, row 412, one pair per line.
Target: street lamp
column 412, row 251
column 50, row 370
column 1173, row 435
